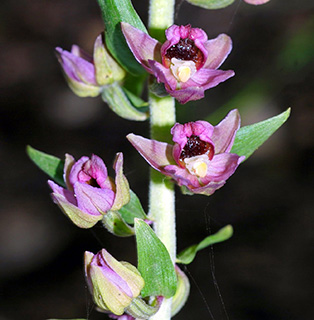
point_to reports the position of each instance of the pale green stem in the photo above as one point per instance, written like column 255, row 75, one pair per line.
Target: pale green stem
column 162, row 118
column 161, row 190
column 161, row 13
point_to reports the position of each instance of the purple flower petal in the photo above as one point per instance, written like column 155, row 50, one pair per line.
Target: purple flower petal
column 189, row 94
column 157, row 154
column 218, row 49
column 143, row 46
column 66, row 194
column 221, row 167
column 163, row 75
column 79, row 52
column 256, row 2
column 181, row 176
column 94, row 201
column 123, row 317
column 122, row 196
column 96, row 169
column 208, row 78
column 77, row 68
column 208, row 189
column 76, row 168
column 67, row 203
column 224, row 133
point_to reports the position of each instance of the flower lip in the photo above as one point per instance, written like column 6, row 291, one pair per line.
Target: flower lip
column 196, row 147
column 184, row 43
column 186, row 50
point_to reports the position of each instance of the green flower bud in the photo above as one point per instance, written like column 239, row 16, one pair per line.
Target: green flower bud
column 113, row 284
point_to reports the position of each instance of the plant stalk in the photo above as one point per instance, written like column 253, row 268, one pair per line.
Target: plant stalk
column 162, row 118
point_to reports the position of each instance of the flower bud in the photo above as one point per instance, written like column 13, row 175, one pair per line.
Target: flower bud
column 113, row 284
column 90, row 193
column 87, row 74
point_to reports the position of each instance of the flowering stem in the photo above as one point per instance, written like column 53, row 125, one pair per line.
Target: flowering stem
column 162, row 118
column 161, row 13
column 161, row 190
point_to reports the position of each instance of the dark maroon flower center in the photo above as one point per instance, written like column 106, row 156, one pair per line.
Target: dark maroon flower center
column 185, row 49
column 196, row 147
column 93, row 182
column 87, row 177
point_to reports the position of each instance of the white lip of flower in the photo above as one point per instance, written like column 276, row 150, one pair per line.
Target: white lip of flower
column 183, row 70
column 197, row 165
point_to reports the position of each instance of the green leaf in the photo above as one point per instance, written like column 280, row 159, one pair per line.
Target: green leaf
column 136, row 101
column 249, row 138
column 154, row 263
column 51, row 165
column 114, row 223
column 211, row 4
column 135, row 84
column 133, row 209
column 187, row 255
column 119, row 103
column 113, row 13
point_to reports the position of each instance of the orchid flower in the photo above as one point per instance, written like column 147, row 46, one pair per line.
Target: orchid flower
column 186, row 63
column 90, row 193
column 200, row 159
column 113, row 284
column 86, row 74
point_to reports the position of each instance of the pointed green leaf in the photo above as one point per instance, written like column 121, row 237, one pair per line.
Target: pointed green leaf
column 187, row 255
column 114, row 223
column 154, row 263
column 113, row 13
column 120, row 104
column 133, row 209
column 211, row 4
column 249, row 138
column 134, row 99
column 51, row 165
column 135, row 84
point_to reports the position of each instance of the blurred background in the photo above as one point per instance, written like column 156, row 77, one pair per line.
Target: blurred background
column 265, row 270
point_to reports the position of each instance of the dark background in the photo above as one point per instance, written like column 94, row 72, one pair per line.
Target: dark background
column 264, row 270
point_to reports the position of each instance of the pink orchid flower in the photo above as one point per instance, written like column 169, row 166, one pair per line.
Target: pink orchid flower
column 186, row 63
column 200, row 159
column 113, row 284
column 90, row 193
column 86, row 74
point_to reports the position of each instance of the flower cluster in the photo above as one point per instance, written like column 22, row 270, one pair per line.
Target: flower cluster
column 200, row 159
column 90, row 192
column 186, row 63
